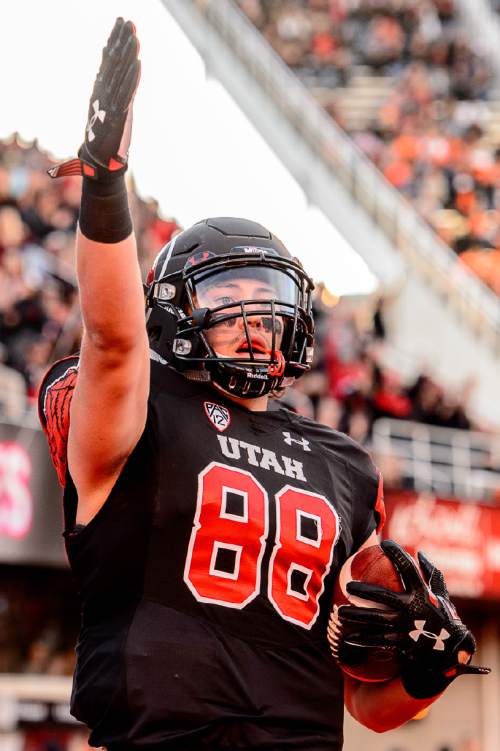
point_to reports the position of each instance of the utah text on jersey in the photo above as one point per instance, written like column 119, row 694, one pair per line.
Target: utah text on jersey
column 232, row 448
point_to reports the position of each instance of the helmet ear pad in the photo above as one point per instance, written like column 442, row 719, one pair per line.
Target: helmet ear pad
column 161, row 327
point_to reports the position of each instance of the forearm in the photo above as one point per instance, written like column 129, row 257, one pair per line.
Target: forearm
column 108, row 271
column 111, row 295
column 382, row 706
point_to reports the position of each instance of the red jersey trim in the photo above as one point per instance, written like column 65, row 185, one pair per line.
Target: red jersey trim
column 379, row 504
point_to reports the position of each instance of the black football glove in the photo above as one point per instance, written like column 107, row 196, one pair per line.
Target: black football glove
column 104, row 152
column 421, row 624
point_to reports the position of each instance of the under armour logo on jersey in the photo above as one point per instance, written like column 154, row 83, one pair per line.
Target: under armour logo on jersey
column 301, row 441
column 218, row 416
column 98, row 115
column 438, row 638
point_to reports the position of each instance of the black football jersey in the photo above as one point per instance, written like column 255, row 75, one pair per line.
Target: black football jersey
column 206, row 578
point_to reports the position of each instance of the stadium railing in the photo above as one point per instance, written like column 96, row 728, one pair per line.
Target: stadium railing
column 448, row 462
column 34, row 699
column 422, row 248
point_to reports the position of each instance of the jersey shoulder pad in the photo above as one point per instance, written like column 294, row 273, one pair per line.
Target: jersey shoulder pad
column 54, row 399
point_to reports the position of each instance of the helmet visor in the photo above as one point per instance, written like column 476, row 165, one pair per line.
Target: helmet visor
column 249, row 308
column 248, row 283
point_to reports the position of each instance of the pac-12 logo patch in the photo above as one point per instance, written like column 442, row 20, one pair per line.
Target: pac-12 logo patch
column 218, row 416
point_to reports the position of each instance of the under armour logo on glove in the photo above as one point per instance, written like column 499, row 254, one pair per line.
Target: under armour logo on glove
column 302, row 441
column 104, row 152
column 438, row 638
column 98, row 115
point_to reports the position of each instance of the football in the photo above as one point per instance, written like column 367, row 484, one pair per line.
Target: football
column 370, row 565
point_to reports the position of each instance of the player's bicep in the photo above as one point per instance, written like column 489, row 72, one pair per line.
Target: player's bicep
column 108, row 411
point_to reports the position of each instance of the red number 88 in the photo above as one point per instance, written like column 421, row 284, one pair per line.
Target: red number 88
column 226, row 548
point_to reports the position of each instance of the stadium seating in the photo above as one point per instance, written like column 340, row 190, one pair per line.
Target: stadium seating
column 413, row 93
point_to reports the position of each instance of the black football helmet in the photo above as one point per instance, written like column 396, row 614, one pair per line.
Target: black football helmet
column 181, row 307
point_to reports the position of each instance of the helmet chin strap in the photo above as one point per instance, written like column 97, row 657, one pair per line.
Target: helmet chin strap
column 237, row 397
column 277, row 369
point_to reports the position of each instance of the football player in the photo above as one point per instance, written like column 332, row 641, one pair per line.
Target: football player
column 204, row 524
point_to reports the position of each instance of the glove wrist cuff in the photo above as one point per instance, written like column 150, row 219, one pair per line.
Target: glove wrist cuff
column 104, row 212
column 80, row 166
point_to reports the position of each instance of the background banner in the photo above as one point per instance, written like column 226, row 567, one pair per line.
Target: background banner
column 462, row 539
column 30, row 499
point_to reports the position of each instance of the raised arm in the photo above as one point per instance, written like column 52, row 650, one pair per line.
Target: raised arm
column 109, row 405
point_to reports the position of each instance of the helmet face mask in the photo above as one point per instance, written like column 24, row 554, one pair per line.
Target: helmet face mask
column 232, row 311
column 244, row 313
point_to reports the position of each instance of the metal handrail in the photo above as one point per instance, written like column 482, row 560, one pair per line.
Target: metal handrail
column 399, row 220
column 437, row 459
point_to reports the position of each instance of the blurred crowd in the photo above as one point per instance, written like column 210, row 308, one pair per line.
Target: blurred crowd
column 430, row 135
